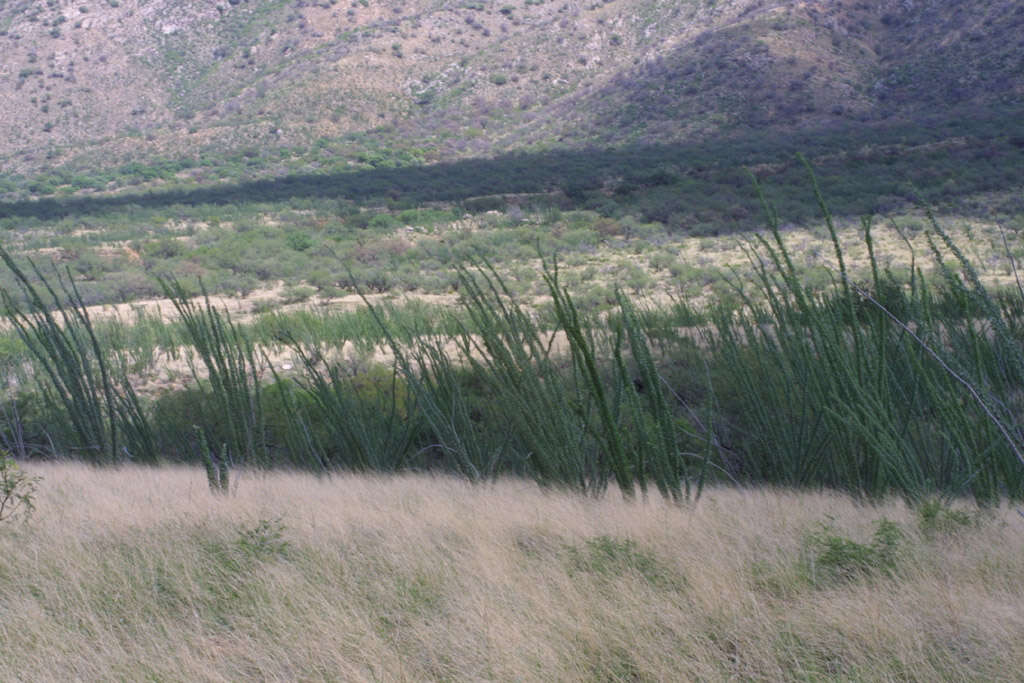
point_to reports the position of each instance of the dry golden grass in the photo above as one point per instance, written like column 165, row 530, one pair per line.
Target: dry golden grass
column 142, row 574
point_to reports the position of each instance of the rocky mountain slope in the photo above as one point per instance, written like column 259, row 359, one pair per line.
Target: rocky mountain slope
column 94, row 83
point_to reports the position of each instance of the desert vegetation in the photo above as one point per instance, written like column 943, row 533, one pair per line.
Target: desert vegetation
column 631, row 215
column 878, row 381
column 625, row 340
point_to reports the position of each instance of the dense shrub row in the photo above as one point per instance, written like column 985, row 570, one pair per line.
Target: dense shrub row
column 238, row 237
column 960, row 153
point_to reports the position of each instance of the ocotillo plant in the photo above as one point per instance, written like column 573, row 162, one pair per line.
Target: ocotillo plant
column 830, row 390
column 60, row 336
column 216, row 466
column 369, row 414
column 232, row 371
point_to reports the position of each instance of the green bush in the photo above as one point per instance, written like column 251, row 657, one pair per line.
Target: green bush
column 299, row 241
column 383, row 221
column 611, row 558
column 936, row 518
column 831, row 556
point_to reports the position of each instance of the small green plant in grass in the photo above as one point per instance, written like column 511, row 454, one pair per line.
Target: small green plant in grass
column 885, row 543
column 17, row 489
column 936, row 518
column 265, row 539
column 782, row 581
column 832, row 556
column 610, row 557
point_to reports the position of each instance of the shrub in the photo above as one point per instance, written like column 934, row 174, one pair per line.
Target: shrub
column 299, row 241
column 936, row 518
column 297, row 294
column 611, row 557
column 383, row 221
column 835, row 557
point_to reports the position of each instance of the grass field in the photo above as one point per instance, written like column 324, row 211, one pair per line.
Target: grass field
column 142, row 574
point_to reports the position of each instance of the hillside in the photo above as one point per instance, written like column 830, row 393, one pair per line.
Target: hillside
column 94, row 84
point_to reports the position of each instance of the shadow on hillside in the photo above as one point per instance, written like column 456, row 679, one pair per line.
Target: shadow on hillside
column 852, row 176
